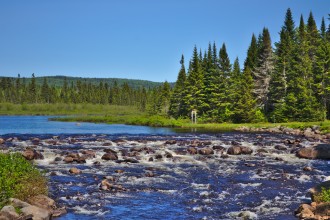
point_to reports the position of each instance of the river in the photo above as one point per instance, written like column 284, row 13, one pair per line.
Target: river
column 159, row 178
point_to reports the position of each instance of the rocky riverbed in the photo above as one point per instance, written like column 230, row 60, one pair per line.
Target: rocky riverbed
column 184, row 176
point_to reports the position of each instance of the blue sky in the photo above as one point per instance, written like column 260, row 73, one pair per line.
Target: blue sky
column 139, row 39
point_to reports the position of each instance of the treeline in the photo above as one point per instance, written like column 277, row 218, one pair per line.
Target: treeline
column 290, row 82
column 59, row 81
column 18, row 91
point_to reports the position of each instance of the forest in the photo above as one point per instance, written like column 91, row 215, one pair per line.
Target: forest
column 289, row 81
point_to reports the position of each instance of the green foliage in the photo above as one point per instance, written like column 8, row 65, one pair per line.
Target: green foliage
column 19, row 178
column 323, row 196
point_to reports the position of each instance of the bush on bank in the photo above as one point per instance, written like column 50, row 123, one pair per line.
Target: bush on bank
column 19, row 178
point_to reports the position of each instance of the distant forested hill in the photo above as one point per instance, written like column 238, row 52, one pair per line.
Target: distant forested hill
column 58, row 81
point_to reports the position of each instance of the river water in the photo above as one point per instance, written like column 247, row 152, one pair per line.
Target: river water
column 159, row 179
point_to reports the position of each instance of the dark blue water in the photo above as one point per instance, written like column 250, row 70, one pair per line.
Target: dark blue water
column 183, row 186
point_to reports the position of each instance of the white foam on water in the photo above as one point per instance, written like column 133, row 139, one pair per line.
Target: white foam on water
column 197, row 208
column 304, row 178
column 204, row 194
column 84, row 210
column 249, row 184
column 200, row 186
column 267, row 206
column 237, row 215
column 223, row 195
column 171, row 191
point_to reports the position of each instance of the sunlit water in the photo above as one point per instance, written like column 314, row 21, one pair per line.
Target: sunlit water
column 268, row 186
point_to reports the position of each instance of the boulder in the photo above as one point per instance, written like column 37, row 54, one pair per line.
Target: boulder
column 206, row 151
column 109, row 150
column 109, row 156
column 31, row 154
column 36, row 212
column 75, row 170
column 321, row 151
column 280, row 147
column 234, row 150
column 246, row 150
column 68, row 160
column 88, row 154
column 35, row 141
column 42, row 201
column 323, row 209
column 9, row 212
column 18, row 203
column 2, row 141
column 305, row 211
column 170, row 142
column 105, row 144
column 218, row 148
column 192, row 150
column 168, row 154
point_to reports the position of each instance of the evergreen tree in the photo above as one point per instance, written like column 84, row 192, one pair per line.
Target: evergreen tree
column 252, row 55
column 282, row 72
column 223, row 92
column 301, row 104
column 176, row 102
column 45, row 91
column 193, row 98
column 33, row 90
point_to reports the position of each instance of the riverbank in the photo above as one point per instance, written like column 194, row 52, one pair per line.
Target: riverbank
column 113, row 114
column 160, row 121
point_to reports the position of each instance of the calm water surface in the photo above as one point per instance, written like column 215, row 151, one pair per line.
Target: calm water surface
column 42, row 125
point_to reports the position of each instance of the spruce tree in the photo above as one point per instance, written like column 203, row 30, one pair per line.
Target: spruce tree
column 194, row 96
column 252, row 55
column 176, row 102
column 282, row 72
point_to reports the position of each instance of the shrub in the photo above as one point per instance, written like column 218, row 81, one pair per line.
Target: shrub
column 19, row 178
column 325, row 195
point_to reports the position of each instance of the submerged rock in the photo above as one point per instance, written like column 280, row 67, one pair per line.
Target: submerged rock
column 75, row 170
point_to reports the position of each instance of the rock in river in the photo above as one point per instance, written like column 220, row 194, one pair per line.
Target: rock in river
column 109, row 156
column 321, row 151
column 234, row 150
column 31, row 154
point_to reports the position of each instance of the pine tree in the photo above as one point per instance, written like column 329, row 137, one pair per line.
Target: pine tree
column 244, row 109
column 282, row 72
column 33, row 90
column 176, row 102
column 223, row 105
column 45, row 91
column 194, row 96
column 322, row 68
column 252, row 55
column 301, row 104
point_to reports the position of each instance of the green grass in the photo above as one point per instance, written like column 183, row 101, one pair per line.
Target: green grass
column 63, row 109
column 19, row 179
